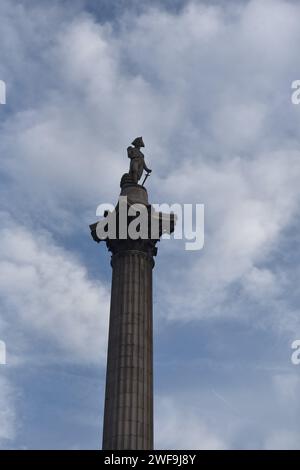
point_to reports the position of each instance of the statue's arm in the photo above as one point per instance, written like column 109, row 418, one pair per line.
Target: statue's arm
column 145, row 167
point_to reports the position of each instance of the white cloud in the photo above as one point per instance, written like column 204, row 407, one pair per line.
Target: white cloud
column 178, row 427
column 287, row 386
column 209, row 88
column 199, row 85
column 283, row 440
column 245, row 411
column 46, row 292
column 8, row 419
column 248, row 206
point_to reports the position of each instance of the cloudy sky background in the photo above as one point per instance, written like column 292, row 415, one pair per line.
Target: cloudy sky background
column 208, row 85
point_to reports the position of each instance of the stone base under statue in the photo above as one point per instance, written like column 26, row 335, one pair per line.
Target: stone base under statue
column 135, row 193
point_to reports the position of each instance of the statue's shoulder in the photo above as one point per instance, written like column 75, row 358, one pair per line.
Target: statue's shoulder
column 133, row 152
column 129, row 151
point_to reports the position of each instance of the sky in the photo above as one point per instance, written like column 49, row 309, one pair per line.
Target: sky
column 208, row 86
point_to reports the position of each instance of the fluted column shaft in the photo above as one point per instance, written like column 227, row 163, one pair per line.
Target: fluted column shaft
column 128, row 410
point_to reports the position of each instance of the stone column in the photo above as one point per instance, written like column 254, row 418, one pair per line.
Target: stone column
column 128, row 414
column 128, row 409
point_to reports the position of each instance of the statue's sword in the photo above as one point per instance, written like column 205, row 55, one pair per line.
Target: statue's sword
column 146, row 176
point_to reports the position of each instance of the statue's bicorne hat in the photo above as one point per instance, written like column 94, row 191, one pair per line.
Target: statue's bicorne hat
column 138, row 142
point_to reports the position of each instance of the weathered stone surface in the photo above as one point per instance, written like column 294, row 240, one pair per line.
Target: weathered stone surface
column 135, row 193
column 128, row 410
column 128, row 415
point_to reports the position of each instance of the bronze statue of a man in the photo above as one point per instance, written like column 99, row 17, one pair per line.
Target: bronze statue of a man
column 137, row 161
